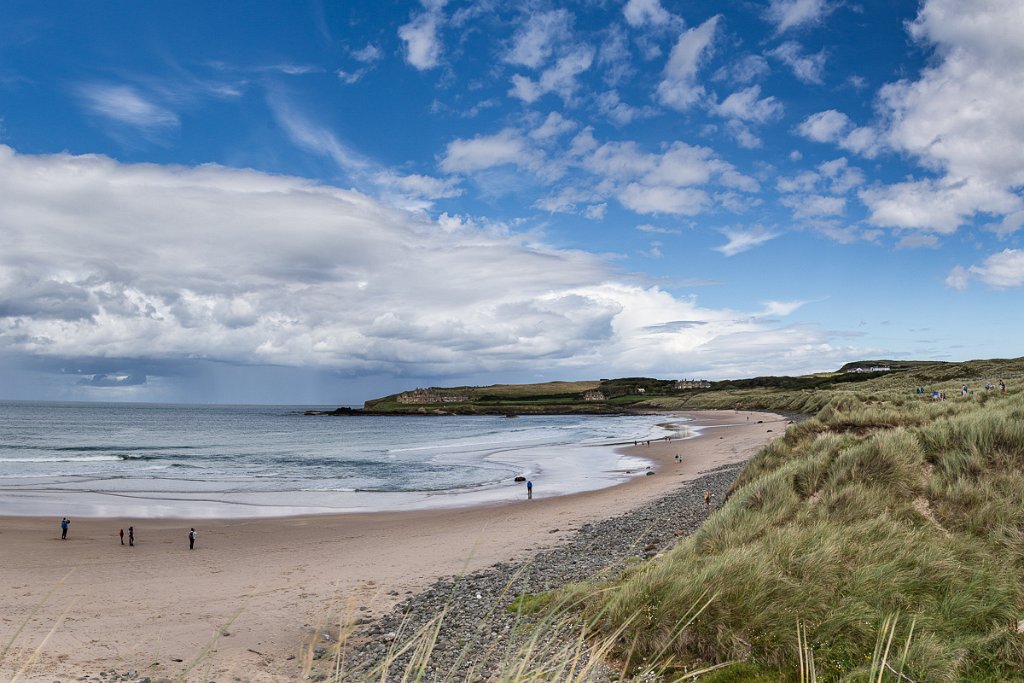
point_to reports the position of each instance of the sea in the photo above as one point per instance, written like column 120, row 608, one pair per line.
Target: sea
column 216, row 461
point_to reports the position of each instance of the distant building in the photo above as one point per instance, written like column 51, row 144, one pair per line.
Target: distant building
column 693, row 384
column 873, row 368
column 593, row 395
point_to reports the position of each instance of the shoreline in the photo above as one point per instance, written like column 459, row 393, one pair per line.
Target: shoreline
column 86, row 604
column 567, row 463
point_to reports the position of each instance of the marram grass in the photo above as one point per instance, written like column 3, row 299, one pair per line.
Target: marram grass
column 887, row 515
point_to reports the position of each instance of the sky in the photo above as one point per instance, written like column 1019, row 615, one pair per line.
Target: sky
column 325, row 202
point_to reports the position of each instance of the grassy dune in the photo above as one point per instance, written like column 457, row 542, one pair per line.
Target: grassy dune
column 886, row 518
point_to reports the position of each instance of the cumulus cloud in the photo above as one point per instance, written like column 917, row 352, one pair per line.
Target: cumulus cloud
column 422, row 38
column 962, row 118
column 534, row 43
column 748, row 105
column 1002, row 270
column 746, row 69
column 643, row 13
column 119, row 261
column 679, row 88
column 939, row 206
column 620, row 113
column 807, row 68
column 789, row 14
column 836, row 127
column 560, row 78
column 508, row 146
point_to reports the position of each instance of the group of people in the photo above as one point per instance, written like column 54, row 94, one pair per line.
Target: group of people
column 65, row 523
column 964, row 390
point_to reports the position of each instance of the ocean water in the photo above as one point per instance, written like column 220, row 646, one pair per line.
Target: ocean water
column 150, row 460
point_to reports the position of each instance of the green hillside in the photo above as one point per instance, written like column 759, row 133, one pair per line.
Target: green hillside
column 801, row 393
column 881, row 540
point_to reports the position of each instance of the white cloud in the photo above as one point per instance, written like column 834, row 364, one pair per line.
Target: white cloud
column 787, row 14
column 807, row 68
column 747, row 69
column 962, row 118
column 686, row 201
column 560, row 78
column 742, row 240
column 1002, row 270
column 836, row 127
column 555, row 125
column 958, row 278
column 619, row 112
column 416, row 186
column 315, row 139
column 642, row 13
column 614, row 55
column 825, row 126
column 748, row 105
column 534, row 43
column 918, row 240
column 110, row 260
column 742, row 134
column 125, row 104
column 937, row 206
column 658, row 230
column 367, row 55
column 423, row 45
column 814, row 205
column 679, row 88
column 487, row 151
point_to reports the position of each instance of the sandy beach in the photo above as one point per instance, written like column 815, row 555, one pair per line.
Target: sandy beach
column 249, row 599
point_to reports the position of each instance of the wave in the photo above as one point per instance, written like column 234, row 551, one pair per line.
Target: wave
column 113, row 457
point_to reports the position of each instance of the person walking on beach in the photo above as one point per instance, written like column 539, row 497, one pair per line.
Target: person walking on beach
column 131, row 536
column 192, row 538
column 529, row 490
column 64, row 523
column 121, row 534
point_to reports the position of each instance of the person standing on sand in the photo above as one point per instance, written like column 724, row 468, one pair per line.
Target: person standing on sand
column 64, row 523
column 121, row 534
column 192, row 538
column 529, row 490
column 131, row 536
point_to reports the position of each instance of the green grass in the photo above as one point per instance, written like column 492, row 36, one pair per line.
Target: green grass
column 885, row 508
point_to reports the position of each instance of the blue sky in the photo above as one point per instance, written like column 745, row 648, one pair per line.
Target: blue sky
column 325, row 202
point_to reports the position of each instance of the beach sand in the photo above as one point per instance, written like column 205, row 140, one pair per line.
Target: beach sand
column 249, row 600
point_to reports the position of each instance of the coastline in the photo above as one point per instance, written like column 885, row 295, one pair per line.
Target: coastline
column 241, row 603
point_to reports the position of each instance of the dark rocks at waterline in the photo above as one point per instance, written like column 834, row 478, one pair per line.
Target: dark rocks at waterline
column 479, row 632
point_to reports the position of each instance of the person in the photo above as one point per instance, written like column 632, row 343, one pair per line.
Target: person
column 121, row 534
column 131, row 536
column 707, row 501
column 529, row 490
column 64, row 523
column 192, row 538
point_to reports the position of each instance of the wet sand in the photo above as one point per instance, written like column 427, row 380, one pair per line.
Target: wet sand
column 248, row 600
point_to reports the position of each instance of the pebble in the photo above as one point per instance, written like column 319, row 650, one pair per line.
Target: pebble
column 477, row 618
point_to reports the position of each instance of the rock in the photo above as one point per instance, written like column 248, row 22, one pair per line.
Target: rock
column 650, row 474
column 519, row 479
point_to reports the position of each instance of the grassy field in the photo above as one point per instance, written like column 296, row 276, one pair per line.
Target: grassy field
column 888, row 518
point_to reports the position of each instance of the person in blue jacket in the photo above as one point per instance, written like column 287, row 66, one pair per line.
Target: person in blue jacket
column 529, row 490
